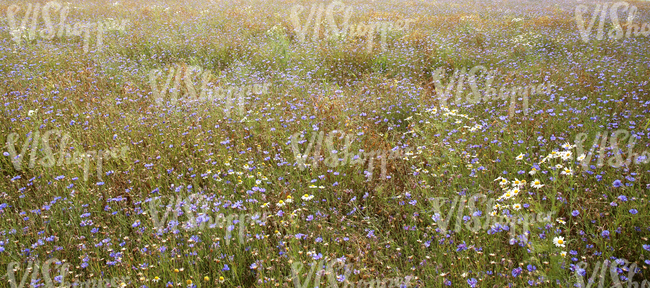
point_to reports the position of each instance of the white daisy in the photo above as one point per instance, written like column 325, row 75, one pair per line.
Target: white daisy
column 568, row 146
column 567, row 171
column 559, row 241
column 514, row 192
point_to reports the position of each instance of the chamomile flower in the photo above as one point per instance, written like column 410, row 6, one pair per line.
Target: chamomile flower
column 503, row 182
column 307, row 197
column 221, row 279
column 566, row 155
column 567, row 171
column 265, row 205
column 280, row 203
column 559, row 166
column 560, row 221
column 563, row 254
column 516, row 206
column 289, row 199
column 520, row 156
column 514, row 191
column 568, row 146
column 581, row 157
column 554, row 154
column 156, row 279
column 559, row 241
column 532, row 171
column 537, row 184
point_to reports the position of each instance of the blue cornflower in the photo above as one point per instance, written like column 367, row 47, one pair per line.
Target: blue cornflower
column 472, row 282
column 516, row 272
column 531, row 268
column 617, row 183
column 605, row 233
column 633, row 211
column 575, row 213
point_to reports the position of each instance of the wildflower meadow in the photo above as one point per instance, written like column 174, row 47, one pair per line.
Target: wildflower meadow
column 329, row 143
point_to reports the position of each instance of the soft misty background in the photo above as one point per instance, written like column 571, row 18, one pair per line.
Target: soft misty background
column 382, row 227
